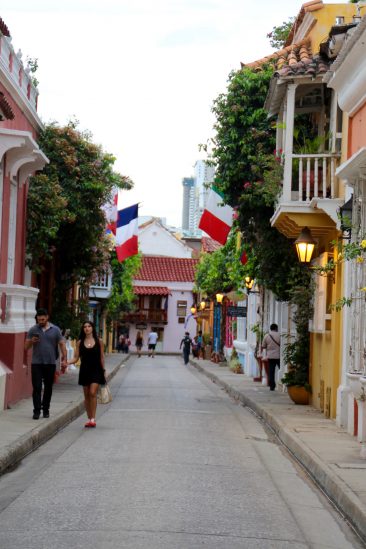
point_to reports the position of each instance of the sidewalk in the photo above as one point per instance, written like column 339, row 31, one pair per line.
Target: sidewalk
column 329, row 454
column 20, row 434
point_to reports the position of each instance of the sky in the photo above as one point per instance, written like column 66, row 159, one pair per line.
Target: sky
column 141, row 76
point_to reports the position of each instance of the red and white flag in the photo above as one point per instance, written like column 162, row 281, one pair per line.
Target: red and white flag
column 126, row 232
column 217, row 218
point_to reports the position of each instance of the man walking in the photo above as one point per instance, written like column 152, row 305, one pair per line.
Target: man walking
column 272, row 343
column 44, row 338
column 151, row 342
column 187, row 343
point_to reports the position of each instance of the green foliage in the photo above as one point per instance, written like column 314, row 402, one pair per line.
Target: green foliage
column 297, row 353
column 234, row 363
column 279, row 34
column 32, row 66
column 220, row 271
column 47, row 208
column 244, row 136
column 122, row 296
column 65, row 216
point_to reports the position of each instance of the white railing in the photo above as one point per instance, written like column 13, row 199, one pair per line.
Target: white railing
column 17, row 68
column 17, row 308
column 315, row 176
column 102, row 281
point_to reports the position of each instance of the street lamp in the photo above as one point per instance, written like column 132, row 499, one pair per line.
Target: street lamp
column 193, row 309
column 249, row 281
column 203, row 305
column 305, row 245
column 217, row 322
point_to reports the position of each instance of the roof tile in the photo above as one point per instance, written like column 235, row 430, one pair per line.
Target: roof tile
column 163, row 269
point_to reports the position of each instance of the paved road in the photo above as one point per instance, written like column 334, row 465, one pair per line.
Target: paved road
column 174, row 463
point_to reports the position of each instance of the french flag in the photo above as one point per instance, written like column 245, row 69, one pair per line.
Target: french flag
column 126, row 233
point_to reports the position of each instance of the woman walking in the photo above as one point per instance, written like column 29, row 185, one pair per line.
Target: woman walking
column 139, row 343
column 89, row 349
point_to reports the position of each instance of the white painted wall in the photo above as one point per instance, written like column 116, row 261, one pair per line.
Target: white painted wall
column 173, row 331
column 154, row 239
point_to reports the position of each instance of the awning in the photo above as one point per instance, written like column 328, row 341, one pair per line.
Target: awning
column 151, row 290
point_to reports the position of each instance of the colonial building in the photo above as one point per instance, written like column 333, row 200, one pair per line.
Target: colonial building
column 347, row 77
column 20, row 157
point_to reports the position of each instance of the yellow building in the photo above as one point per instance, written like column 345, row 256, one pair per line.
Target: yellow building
column 312, row 194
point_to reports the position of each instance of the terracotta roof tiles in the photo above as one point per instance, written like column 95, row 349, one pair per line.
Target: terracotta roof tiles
column 164, row 269
column 151, row 290
column 296, row 59
column 5, row 107
column 209, row 245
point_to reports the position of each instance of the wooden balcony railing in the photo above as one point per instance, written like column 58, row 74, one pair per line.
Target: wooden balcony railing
column 146, row 315
column 312, row 176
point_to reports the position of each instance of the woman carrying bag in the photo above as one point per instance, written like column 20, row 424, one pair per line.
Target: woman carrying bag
column 89, row 349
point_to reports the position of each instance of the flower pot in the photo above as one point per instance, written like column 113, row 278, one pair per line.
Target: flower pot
column 298, row 395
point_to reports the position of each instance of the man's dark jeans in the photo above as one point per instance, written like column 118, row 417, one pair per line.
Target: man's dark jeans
column 185, row 355
column 272, row 363
column 42, row 373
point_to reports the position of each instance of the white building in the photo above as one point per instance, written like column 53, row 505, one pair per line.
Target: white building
column 195, row 190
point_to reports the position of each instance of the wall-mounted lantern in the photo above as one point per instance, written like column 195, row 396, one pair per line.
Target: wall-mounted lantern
column 345, row 214
column 305, row 245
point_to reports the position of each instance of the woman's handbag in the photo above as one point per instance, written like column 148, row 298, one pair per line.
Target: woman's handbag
column 104, row 394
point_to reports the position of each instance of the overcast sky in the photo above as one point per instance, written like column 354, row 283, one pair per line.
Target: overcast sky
column 141, row 75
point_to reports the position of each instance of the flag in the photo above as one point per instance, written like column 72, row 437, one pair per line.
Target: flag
column 216, row 219
column 126, row 233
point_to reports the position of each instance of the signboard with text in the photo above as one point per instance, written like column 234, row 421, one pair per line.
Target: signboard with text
column 236, row 311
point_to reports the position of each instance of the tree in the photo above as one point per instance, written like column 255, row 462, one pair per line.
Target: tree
column 122, row 295
column 66, row 223
column 279, row 34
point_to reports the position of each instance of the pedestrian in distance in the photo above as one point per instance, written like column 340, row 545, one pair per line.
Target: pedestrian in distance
column 89, row 348
column 187, row 344
column 151, row 343
column 199, row 344
column 121, row 343
column 139, row 343
column 272, row 344
column 45, row 339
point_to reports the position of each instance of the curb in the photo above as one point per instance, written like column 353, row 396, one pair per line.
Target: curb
column 336, row 490
column 27, row 443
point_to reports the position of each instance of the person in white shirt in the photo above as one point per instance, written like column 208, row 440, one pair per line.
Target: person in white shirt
column 151, row 342
column 272, row 344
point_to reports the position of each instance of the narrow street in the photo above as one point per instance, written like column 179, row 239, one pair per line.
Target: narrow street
column 173, row 463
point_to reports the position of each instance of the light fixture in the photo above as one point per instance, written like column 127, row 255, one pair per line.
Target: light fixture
column 219, row 298
column 203, row 305
column 249, row 281
column 193, row 309
column 345, row 214
column 305, row 245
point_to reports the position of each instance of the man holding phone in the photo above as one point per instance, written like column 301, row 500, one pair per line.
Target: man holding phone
column 44, row 338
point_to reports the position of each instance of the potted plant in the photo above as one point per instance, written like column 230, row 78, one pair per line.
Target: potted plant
column 297, row 353
column 234, row 363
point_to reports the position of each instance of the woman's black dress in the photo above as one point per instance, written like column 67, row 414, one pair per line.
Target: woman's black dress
column 91, row 370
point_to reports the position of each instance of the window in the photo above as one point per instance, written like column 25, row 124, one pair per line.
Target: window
column 181, row 308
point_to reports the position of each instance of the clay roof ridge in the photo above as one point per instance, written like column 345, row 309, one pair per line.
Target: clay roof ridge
column 286, row 51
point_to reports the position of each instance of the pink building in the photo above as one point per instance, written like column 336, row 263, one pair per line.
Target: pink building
column 164, row 287
column 20, row 157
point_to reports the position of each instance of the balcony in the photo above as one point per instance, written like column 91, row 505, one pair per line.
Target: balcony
column 158, row 316
column 310, row 196
column 101, row 286
column 18, row 76
column 18, row 308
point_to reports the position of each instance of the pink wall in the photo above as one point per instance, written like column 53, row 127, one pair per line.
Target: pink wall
column 357, row 131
